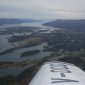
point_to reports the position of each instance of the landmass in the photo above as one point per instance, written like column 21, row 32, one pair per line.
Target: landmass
column 67, row 45
column 18, row 29
column 4, row 21
column 28, row 53
column 15, row 64
column 22, row 44
column 25, row 77
column 73, row 25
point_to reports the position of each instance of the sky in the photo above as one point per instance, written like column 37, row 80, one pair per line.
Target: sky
column 43, row 9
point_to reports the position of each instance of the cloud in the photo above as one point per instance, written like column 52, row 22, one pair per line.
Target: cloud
column 42, row 8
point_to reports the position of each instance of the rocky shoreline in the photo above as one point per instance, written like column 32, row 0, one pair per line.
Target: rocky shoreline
column 15, row 64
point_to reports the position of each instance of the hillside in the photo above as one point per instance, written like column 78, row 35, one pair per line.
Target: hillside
column 4, row 21
column 73, row 25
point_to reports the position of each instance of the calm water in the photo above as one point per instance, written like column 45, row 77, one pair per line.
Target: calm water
column 15, row 56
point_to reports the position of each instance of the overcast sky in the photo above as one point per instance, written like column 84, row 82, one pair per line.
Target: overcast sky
column 43, row 9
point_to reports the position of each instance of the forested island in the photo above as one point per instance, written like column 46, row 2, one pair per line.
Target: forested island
column 29, row 53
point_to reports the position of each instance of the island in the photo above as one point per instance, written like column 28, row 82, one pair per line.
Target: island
column 29, row 53
column 22, row 44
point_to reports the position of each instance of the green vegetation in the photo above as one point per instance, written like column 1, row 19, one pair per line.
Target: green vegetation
column 28, row 42
column 80, row 53
column 28, row 53
column 73, row 25
column 21, row 44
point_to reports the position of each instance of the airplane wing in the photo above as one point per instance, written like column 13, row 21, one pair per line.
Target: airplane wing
column 58, row 73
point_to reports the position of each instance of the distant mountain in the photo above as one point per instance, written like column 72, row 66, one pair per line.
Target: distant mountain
column 74, row 25
column 4, row 21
